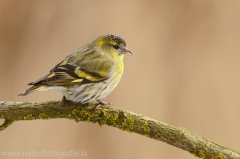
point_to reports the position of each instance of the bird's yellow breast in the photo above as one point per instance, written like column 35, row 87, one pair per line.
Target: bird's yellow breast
column 119, row 68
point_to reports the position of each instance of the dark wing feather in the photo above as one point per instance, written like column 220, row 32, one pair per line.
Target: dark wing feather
column 34, row 83
column 69, row 74
column 83, row 66
column 60, row 75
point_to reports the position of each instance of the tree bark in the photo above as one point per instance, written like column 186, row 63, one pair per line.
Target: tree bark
column 122, row 119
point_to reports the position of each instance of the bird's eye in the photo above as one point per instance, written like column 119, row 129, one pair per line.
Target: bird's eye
column 116, row 47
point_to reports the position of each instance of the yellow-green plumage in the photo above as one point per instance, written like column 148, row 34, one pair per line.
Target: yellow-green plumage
column 88, row 74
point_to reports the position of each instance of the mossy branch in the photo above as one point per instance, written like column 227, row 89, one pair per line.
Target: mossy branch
column 122, row 119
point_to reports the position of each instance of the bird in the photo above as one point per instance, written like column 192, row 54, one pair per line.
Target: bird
column 88, row 74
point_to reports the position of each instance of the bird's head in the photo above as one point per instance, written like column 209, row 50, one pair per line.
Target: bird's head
column 112, row 45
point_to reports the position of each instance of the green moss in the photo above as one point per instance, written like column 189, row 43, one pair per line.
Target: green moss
column 108, row 118
column 198, row 152
column 127, row 124
column 219, row 156
column 43, row 116
column 83, row 115
column 194, row 147
column 102, row 117
column 29, row 117
column 145, row 129
column 201, row 153
column 32, row 117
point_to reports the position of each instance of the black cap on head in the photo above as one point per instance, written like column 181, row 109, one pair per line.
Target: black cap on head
column 116, row 38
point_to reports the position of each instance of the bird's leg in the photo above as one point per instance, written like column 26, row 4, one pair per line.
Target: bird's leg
column 101, row 103
column 64, row 100
column 104, row 103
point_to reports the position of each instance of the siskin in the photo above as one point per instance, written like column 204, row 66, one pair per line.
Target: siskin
column 88, row 74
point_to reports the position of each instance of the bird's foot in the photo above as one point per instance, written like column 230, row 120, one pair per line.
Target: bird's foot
column 101, row 103
column 64, row 100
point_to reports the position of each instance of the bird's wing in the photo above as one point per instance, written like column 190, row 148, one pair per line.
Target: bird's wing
column 68, row 73
column 45, row 77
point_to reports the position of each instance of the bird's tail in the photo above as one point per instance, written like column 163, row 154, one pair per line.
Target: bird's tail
column 33, row 89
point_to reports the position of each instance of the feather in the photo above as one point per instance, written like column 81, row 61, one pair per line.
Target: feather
column 32, row 89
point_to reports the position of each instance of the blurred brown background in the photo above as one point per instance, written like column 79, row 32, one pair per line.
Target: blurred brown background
column 185, row 71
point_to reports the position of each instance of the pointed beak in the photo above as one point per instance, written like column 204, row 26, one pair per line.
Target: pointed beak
column 126, row 51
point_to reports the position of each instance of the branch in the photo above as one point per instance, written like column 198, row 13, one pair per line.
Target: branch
column 122, row 119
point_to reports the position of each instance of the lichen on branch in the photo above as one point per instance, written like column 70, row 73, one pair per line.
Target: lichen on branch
column 122, row 119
